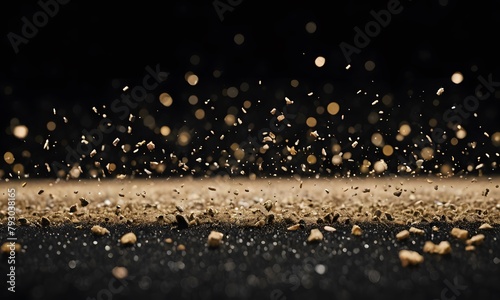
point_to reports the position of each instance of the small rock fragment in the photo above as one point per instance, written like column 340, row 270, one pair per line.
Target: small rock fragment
column 151, row 146
column 402, row 235
column 329, row 228
column 98, row 230
column 83, row 202
column 212, row 188
column 397, row 193
column 268, row 205
column 315, row 235
column 294, row 227
column 485, row 226
column 215, row 238
column 40, row 192
column 73, row 208
column 7, row 247
column 181, row 247
column 182, row 221
column 459, row 233
column 128, row 239
column 417, row 230
column 408, row 257
column 444, row 247
column 475, row 240
column 470, row 248
column 356, row 230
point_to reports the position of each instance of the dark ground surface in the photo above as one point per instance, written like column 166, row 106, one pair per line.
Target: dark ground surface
column 253, row 263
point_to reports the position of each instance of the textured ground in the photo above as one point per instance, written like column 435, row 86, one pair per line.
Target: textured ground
column 60, row 257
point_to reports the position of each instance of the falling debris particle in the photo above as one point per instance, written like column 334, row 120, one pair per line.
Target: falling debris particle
column 402, row 235
column 182, row 221
column 314, row 134
column 470, row 248
column 417, row 231
column 128, row 239
column 435, row 228
column 212, row 188
column 374, row 102
column 475, row 240
column 485, row 226
column 40, row 192
column 280, row 118
column 119, row 272
column 294, row 227
column 408, row 257
column 356, row 230
column 329, row 228
column 348, row 67
column 73, row 208
column 268, row 205
column 214, row 238
column 181, row 247
column 444, row 247
column 84, row 202
column 440, row 91
column 327, row 191
column 273, row 111
column 116, row 141
column 93, row 153
column 459, row 233
column 6, row 247
column 288, row 101
column 354, row 144
column 46, row 145
column 366, row 190
column 24, row 184
column 151, row 146
column 98, row 230
column 125, row 88
column 169, row 241
column 315, row 236
column 397, row 193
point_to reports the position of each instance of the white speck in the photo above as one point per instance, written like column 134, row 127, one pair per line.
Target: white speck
column 440, row 91
column 347, row 67
column 116, row 141
column 320, row 269
column 374, row 102
column 125, row 88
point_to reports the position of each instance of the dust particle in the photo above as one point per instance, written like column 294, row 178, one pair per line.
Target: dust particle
column 181, row 247
column 119, row 272
column 40, row 192
column 84, row 202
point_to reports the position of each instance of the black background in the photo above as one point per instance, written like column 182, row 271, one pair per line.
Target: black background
column 90, row 49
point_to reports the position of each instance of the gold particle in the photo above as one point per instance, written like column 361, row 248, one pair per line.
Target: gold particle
column 20, row 131
column 166, row 99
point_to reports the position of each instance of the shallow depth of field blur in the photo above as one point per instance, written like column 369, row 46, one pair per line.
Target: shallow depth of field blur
column 251, row 89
